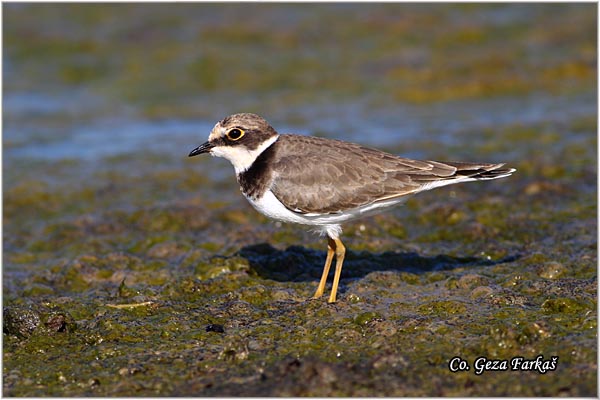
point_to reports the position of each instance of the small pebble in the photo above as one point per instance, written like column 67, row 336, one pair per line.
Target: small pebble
column 215, row 328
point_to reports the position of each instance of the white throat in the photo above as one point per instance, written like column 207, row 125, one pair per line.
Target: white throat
column 241, row 157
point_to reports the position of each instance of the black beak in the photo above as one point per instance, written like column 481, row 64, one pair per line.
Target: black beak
column 204, row 148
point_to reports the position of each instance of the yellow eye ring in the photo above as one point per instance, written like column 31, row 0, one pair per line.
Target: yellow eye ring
column 235, row 134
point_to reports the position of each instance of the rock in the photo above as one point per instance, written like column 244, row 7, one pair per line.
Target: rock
column 20, row 321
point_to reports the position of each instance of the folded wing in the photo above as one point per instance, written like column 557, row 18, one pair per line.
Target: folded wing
column 348, row 175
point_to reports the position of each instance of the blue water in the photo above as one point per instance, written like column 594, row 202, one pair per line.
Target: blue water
column 31, row 131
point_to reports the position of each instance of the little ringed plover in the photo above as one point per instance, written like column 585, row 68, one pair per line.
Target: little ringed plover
column 323, row 182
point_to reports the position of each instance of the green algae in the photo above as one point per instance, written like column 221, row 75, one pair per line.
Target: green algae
column 566, row 306
column 366, row 318
column 442, row 308
column 448, row 70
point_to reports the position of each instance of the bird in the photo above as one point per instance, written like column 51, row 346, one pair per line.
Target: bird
column 323, row 182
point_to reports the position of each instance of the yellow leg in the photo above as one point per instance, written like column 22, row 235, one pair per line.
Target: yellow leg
column 330, row 253
column 340, row 252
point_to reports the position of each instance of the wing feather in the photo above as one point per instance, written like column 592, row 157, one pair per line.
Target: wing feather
column 345, row 176
column 328, row 176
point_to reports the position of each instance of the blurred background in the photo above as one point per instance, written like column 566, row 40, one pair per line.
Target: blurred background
column 88, row 82
column 103, row 102
column 111, row 95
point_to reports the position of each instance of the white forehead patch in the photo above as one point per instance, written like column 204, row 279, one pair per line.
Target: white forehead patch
column 217, row 132
column 240, row 156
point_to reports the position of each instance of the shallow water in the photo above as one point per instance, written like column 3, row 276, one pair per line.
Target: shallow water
column 103, row 137
column 130, row 269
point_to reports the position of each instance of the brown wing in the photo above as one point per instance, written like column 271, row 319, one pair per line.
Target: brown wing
column 321, row 175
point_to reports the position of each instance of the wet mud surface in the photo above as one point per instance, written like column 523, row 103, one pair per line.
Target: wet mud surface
column 131, row 270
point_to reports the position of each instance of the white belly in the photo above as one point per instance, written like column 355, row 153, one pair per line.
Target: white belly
column 270, row 206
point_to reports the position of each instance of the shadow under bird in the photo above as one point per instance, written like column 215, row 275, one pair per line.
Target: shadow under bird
column 323, row 182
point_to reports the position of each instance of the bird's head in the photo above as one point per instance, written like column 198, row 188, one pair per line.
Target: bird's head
column 240, row 138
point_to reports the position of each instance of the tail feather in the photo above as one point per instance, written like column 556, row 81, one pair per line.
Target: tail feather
column 464, row 172
column 481, row 171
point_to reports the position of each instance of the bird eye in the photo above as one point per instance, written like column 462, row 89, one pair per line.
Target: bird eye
column 235, row 134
